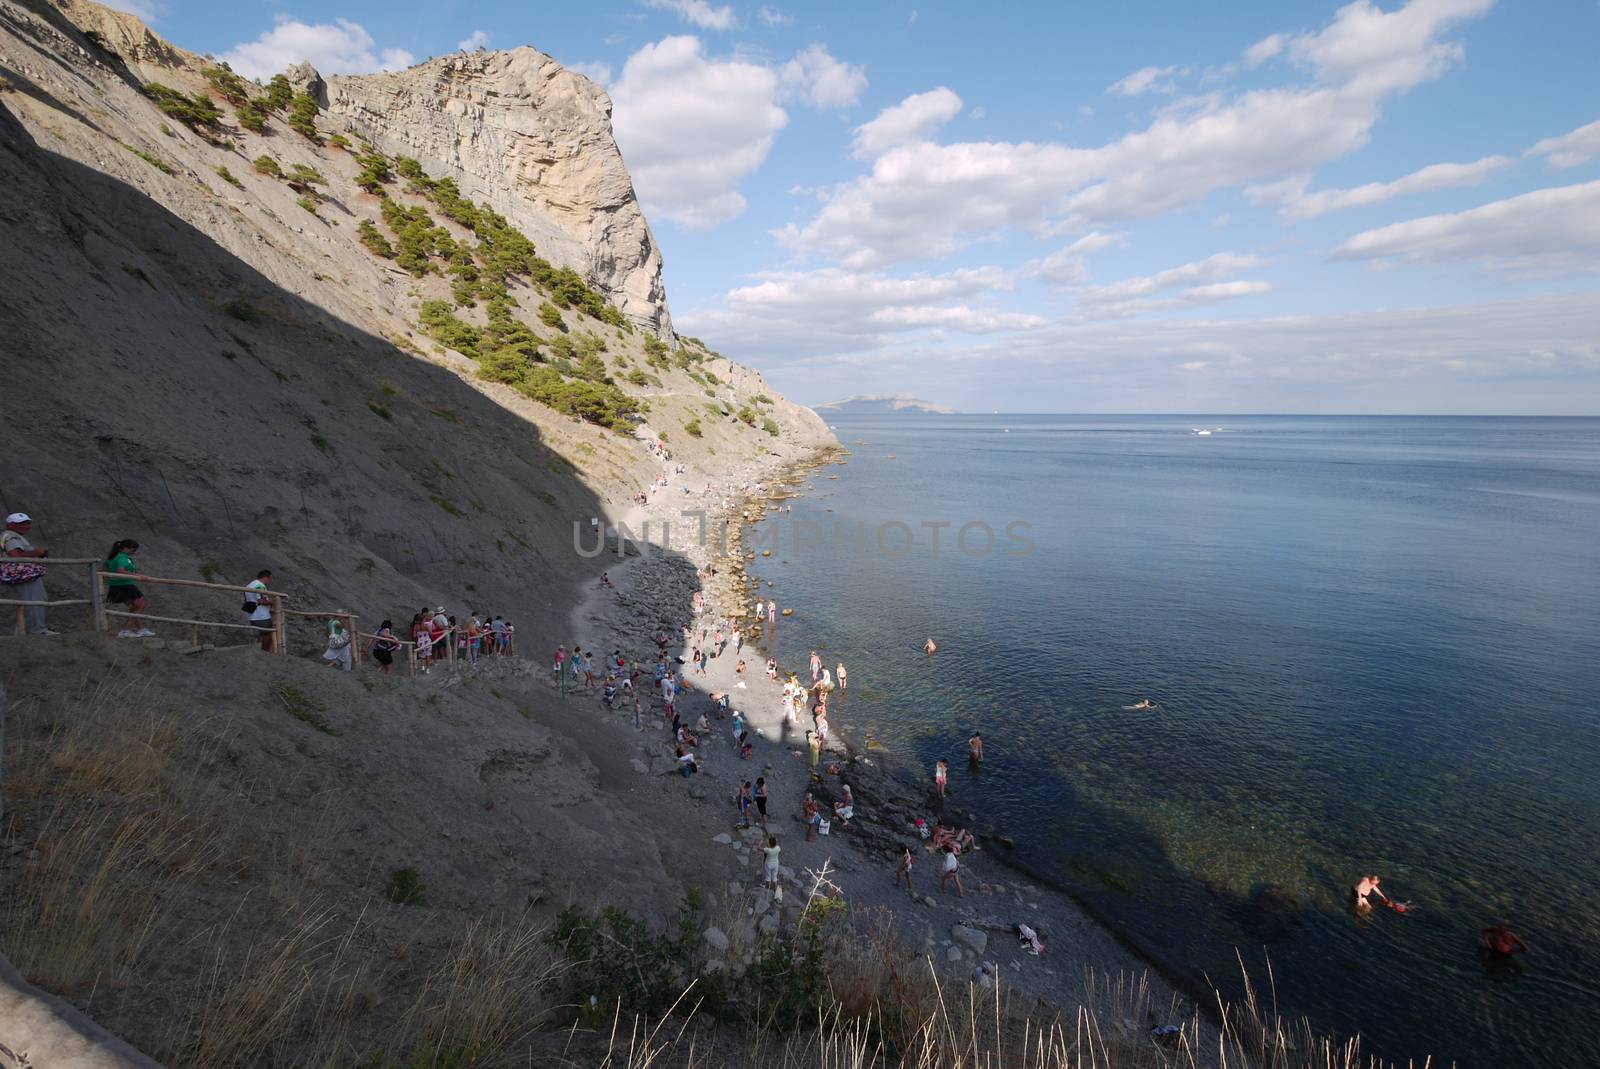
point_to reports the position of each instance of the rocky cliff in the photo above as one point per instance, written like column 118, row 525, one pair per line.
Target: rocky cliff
column 532, row 139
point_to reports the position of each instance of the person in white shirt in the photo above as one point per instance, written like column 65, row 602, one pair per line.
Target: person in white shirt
column 22, row 571
column 258, row 606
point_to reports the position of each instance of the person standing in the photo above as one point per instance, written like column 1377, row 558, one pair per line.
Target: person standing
column 738, row 641
column 771, row 852
column 975, row 749
column 950, row 870
column 761, row 800
column 816, row 666
column 745, row 799
column 258, row 607
column 338, row 652
column 126, row 591
column 384, row 644
column 814, row 744
column 841, row 675
column 941, row 776
column 904, row 868
column 22, row 573
column 772, row 611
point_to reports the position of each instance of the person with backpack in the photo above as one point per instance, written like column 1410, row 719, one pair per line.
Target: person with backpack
column 126, row 591
column 384, row 645
column 257, row 608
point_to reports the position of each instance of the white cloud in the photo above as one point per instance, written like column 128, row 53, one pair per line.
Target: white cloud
column 1208, row 270
column 1569, row 150
column 340, row 47
column 1194, row 365
column 1265, row 49
column 978, row 114
column 772, row 16
column 1372, row 51
column 1546, row 232
column 833, row 310
column 1197, row 283
column 913, row 119
column 691, row 127
column 697, row 13
column 815, row 76
column 1066, row 267
column 1295, row 202
column 598, row 73
column 479, row 39
column 922, row 199
column 145, row 10
column 1144, row 80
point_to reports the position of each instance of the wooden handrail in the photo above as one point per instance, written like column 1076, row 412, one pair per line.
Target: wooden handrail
column 176, row 620
column 47, row 561
column 44, row 604
column 191, row 583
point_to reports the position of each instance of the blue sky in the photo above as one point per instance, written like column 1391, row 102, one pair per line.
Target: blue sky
column 1380, row 207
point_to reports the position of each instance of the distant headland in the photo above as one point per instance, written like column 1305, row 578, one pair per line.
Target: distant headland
column 883, row 402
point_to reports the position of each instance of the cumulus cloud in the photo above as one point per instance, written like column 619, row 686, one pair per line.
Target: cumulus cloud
column 1264, row 49
column 1067, row 267
column 1201, row 282
column 697, row 13
column 834, row 310
column 816, row 77
column 1546, row 232
column 913, row 119
column 598, row 73
column 1296, row 202
column 691, row 128
column 479, row 39
column 922, row 199
column 1569, row 150
column 1144, row 80
column 339, row 47
column 773, row 16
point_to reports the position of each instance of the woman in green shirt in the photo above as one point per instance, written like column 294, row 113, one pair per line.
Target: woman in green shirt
column 126, row 591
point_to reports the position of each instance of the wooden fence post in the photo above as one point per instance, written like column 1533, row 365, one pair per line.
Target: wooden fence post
column 22, row 620
column 97, row 619
column 280, row 632
column 355, row 641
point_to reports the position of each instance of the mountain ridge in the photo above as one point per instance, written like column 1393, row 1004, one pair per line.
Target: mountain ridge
column 884, row 402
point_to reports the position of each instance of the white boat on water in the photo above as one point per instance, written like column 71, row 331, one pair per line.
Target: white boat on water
column 1201, row 431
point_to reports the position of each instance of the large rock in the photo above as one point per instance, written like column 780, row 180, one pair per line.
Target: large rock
column 976, row 940
column 717, row 940
column 532, row 139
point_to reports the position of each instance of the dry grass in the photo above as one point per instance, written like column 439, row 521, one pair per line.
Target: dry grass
column 114, row 828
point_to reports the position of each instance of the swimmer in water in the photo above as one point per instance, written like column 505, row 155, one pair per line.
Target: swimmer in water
column 1145, row 703
column 930, row 647
column 1501, row 941
column 975, row 749
column 1368, row 885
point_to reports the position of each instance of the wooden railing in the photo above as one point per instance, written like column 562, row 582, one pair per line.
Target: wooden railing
column 57, row 562
column 100, row 614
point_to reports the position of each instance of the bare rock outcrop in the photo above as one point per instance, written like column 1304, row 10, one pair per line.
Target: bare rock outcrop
column 532, row 139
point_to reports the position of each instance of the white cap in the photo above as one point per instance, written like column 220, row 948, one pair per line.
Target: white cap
column 19, row 517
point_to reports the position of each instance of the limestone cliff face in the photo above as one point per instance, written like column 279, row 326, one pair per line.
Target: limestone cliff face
column 531, row 138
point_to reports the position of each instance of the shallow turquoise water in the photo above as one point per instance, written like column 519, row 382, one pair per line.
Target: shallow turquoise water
column 1374, row 645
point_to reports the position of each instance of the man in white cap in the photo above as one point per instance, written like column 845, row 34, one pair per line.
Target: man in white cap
column 21, row 573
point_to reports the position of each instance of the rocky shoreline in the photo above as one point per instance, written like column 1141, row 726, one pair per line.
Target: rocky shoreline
column 652, row 592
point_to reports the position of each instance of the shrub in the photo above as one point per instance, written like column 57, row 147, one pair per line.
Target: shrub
column 155, row 161
column 229, row 86
column 302, row 177
column 638, row 377
column 550, row 316
column 761, row 399
column 253, row 116
column 655, row 352
column 242, row 310
column 339, row 141
column 280, row 94
column 266, row 165
column 442, row 326
column 591, row 368
column 405, row 888
column 692, row 428
column 770, row 425
column 193, row 110
column 374, row 240
column 227, row 176
column 596, row 403
column 303, row 117
column 505, row 365
column 374, row 171
column 308, row 204
column 747, row 415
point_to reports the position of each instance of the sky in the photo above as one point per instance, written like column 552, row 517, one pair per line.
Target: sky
column 1381, row 207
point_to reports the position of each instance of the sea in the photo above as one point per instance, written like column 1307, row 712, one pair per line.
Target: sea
column 1372, row 644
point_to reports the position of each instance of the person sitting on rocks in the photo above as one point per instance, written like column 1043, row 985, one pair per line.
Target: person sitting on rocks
column 686, row 762
column 845, row 809
column 1029, row 939
column 809, row 810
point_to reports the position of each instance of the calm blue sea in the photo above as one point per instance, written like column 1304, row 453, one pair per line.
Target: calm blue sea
column 1375, row 645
